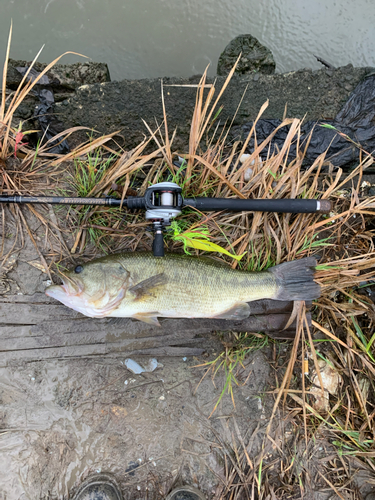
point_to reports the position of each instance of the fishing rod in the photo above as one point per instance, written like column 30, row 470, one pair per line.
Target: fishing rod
column 164, row 201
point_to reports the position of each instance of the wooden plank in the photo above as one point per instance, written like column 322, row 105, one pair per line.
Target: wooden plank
column 119, row 349
column 31, row 310
column 115, row 328
column 168, row 351
column 97, row 343
column 83, row 338
column 96, row 350
column 37, row 327
column 32, row 314
column 36, row 298
column 136, row 333
column 56, row 326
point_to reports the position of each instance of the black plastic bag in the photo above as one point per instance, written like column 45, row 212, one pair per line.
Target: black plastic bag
column 356, row 120
column 43, row 113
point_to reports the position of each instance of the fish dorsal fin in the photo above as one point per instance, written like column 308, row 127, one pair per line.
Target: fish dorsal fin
column 147, row 317
column 240, row 310
column 144, row 288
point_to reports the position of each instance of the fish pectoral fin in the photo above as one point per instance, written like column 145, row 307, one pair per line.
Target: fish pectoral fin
column 144, row 288
column 149, row 318
column 241, row 310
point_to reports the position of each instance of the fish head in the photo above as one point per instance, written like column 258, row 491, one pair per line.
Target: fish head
column 94, row 288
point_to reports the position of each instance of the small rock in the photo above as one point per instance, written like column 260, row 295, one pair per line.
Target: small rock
column 247, row 175
column 244, row 157
column 62, row 76
column 255, row 58
column 249, row 171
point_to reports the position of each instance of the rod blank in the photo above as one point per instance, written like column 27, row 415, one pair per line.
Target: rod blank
column 60, row 200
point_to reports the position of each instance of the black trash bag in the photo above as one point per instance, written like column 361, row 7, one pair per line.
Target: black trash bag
column 49, row 124
column 356, row 120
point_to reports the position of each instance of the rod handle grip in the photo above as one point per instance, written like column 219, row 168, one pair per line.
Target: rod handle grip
column 297, row 206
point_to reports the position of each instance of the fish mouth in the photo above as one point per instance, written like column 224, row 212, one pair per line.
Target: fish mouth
column 57, row 292
column 69, row 288
column 63, row 295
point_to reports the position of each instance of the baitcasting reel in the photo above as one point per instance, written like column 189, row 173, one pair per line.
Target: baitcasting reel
column 164, row 201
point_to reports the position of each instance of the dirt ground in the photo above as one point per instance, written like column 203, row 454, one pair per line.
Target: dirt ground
column 62, row 420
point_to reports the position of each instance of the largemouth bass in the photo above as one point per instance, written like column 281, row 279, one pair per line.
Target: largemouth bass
column 141, row 286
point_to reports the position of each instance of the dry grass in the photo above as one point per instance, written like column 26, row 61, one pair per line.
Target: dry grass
column 343, row 315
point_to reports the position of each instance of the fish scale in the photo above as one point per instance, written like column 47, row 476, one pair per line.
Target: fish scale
column 196, row 286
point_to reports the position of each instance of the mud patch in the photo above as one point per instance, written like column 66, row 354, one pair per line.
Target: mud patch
column 62, row 420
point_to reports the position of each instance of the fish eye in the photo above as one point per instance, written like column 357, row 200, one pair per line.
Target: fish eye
column 78, row 269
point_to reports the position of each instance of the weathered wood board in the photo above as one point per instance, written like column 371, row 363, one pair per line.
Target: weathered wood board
column 35, row 327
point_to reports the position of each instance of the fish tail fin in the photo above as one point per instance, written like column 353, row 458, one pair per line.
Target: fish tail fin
column 295, row 280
